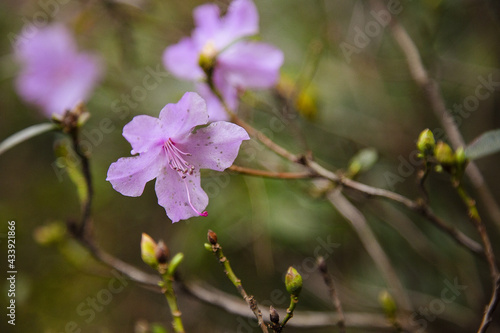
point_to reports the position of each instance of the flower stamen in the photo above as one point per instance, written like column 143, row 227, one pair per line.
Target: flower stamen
column 176, row 159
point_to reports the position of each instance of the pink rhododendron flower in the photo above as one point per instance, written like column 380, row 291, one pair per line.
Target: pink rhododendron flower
column 172, row 150
column 54, row 75
column 239, row 63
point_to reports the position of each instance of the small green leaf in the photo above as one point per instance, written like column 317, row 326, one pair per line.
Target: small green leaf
column 486, row 144
column 25, row 134
column 362, row 161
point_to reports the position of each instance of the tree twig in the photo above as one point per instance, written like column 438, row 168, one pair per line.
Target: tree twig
column 249, row 299
column 330, row 284
column 419, row 207
column 272, row 174
column 371, row 245
column 433, row 95
column 490, row 256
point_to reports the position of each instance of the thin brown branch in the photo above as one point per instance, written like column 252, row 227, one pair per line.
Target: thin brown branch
column 327, row 278
column 249, row 299
column 418, row 207
column 435, row 98
column 488, row 314
column 271, row 174
column 265, row 140
column 423, row 210
column 371, row 245
column 490, row 255
column 433, row 94
column 301, row 319
column 229, row 303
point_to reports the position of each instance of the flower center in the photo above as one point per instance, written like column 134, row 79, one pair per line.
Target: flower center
column 207, row 57
column 209, row 50
column 176, row 159
column 178, row 163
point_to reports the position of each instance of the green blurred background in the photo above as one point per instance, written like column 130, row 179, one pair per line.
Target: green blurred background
column 366, row 100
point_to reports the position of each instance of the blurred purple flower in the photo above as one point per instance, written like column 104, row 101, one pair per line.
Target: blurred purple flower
column 239, row 64
column 172, row 151
column 54, row 75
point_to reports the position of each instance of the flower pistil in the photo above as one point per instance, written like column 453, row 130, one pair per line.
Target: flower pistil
column 176, row 159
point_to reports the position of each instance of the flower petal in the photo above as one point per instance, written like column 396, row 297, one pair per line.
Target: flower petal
column 129, row 175
column 216, row 111
column 251, row 64
column 142, row 132
column 54, row 75
column 207, row 22
column 215, row 146
column 172, row 193
column 182, row 60
column 178, row 120
column 45, row 43
column 241, row 20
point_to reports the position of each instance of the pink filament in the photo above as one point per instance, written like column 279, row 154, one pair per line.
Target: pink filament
column 176, row 159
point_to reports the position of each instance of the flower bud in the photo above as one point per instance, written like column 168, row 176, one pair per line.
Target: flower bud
column 148, row 249
column 426, row 142
column 273, row 315
column 388, row 304
column 293, row 282
column 306, row 103
column 50, row 234
column 212, row 237
column 444, row 154
column 322, row 265
column 162, row 253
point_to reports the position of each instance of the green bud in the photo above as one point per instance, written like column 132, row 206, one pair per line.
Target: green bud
column 208, row 247
column 444, row 154
column 50, row 234
column 362, row 161
column 388, row 304
column 148, row 249
column 293, row 282
column 306, row 103
column 426, row 143
column 174, row 263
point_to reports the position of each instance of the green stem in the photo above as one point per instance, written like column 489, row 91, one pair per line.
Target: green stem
column 168, row 291
column 85, row 167
column 217, row 250
column 423, row 178
column 289, row 312
column 490, row 256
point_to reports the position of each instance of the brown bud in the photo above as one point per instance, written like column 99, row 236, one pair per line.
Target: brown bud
column 162, row 253
column 273, row 315
column 322, row 265
column 212, row 237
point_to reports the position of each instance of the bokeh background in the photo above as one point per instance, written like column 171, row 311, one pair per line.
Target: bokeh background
column 365, row 100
